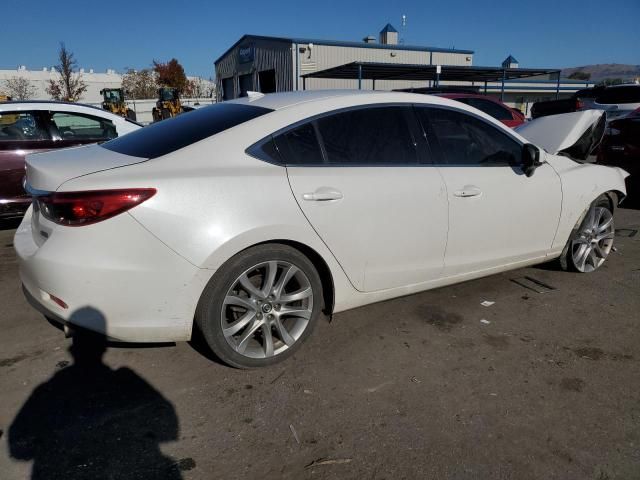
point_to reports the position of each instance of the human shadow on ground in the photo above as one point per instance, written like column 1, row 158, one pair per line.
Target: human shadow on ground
column 89, row 421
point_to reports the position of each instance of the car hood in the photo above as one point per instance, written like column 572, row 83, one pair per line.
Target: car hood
column 49, row 170
column 575, row 135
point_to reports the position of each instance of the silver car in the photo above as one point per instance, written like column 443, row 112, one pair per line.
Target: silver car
column 617, row 101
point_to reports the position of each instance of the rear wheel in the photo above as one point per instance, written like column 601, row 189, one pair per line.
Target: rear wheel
column 592, row 242
column 166, row 113
column 260, row 306
column 131, row 115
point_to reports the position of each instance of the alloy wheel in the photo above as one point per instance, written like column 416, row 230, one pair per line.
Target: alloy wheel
column 267, row 309
column 594, row 240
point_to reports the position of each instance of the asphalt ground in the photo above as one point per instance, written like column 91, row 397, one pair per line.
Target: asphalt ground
column 543, row 383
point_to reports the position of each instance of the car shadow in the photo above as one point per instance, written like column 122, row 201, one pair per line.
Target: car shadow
column 92, row 422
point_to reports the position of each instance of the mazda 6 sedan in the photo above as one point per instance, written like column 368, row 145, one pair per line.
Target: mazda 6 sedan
column 250, row 219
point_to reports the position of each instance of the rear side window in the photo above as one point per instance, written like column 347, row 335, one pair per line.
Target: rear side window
column 368, row 136
column 73, row 126
column 170, row 135
column 17, row 126
column 300, row 146
column 490, row 108
column 468, row 141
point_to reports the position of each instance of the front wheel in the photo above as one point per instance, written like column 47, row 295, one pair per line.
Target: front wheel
column 260, row 306
column 592, row 242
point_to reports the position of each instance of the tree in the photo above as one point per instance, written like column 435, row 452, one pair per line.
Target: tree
column 580, row 75
column 70, row 86
column 170, row 74
column 611, row 81
column 140, row 84
column 19, row 88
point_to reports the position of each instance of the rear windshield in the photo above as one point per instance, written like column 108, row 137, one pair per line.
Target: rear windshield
column 170, row 135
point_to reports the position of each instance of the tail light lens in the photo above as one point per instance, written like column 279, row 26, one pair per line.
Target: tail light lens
column 579, row 105
column 75, row 209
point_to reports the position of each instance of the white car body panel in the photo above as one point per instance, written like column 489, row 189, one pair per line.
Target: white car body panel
column 214, row 200
column 480, row 225
column 555, row 133
column 383, row 236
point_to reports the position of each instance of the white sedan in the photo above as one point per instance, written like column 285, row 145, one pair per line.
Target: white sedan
column 249, row 219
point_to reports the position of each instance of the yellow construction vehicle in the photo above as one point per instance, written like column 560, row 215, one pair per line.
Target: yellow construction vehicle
column 4, row 98
column 113, row 101
column 168, row 104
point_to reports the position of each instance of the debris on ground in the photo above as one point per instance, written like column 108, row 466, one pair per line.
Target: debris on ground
column 487, row 303
column 295, row 435
column 415, row 380
column 328, row 461
column 486, row 322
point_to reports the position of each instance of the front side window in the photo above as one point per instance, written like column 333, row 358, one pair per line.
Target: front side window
column 73, row 126
column 21, row 126
column 468, row 141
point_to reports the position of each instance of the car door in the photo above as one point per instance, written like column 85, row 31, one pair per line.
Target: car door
column 497, row 215
column 359, row 177
column 71, row 129
column 21, row 133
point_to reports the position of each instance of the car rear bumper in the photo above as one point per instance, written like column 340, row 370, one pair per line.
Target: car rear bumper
column 14, row 207
column 113, row 277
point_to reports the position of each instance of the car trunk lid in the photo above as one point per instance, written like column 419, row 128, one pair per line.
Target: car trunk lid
column 48, row 171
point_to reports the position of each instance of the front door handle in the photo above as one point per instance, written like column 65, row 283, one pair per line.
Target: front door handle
column 322, row 195
column 468, row 191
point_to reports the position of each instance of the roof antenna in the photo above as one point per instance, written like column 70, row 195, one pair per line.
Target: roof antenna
column 403, row 24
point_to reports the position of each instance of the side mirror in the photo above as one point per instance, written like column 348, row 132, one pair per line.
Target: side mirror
column 530, row 159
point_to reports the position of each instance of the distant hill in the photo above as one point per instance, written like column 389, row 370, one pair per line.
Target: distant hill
column 606, row 70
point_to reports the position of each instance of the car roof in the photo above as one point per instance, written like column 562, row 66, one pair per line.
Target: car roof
column 466, row 95
column 281, row 100
column 23, row 105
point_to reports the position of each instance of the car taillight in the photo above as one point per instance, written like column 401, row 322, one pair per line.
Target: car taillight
column 75, row 209
column 579, row 105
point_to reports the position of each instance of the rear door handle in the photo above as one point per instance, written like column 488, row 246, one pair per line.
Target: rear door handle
column 322, row 194
column 468, row 191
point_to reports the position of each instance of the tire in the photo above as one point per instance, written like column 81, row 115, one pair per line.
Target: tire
column 237, row 318
column 166, row 113
column 590, row 243
column 156, row 115
column 131, row 115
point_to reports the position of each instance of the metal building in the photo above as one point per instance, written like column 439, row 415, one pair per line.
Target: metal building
column 276, row 64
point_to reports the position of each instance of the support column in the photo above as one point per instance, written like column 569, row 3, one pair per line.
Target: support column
column 359, row 77
column 504, row 74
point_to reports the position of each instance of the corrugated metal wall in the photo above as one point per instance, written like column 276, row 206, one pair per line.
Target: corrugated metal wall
column 320, row 57
column 267, row 55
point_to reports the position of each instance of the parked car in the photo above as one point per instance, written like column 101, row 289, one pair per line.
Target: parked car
column 621, row 148
column 248, row 219
column 30, row 127
column 617, row 100
column 511, row 117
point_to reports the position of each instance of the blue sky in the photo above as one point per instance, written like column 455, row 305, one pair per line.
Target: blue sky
column 118, row 34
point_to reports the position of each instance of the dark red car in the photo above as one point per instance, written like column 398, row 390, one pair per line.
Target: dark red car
column 620, row 147
column 32, row 127
column 489, row 105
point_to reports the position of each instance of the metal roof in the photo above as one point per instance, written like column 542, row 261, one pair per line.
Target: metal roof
column 403, row 71
column 338, row 43
column 388, row 28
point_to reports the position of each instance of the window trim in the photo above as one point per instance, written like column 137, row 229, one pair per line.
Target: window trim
column 422, row 148
column 438, row 154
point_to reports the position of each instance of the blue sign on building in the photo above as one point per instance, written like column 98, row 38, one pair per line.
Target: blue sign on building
column 245, row 54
